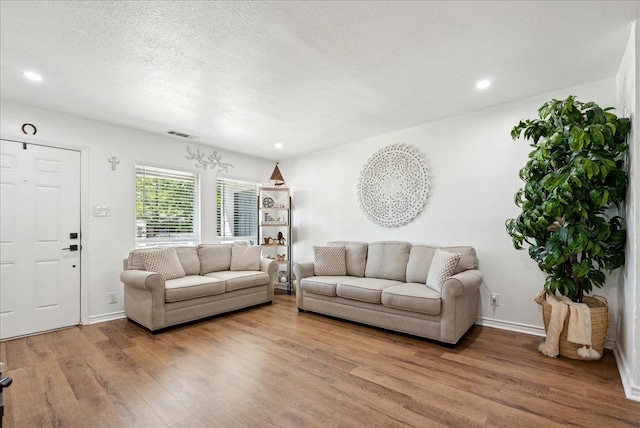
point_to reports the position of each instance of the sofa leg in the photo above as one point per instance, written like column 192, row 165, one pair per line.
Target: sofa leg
column 300, row 310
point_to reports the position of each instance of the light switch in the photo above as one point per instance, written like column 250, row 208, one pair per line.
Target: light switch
column 102, row 211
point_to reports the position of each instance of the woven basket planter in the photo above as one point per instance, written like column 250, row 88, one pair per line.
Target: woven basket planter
column 599, row 310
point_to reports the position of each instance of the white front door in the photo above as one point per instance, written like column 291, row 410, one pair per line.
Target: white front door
column 40, row 212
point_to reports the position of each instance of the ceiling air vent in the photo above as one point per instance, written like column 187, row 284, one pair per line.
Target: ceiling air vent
column 182, row 135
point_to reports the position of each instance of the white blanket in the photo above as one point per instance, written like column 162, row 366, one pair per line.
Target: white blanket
column 579, row 327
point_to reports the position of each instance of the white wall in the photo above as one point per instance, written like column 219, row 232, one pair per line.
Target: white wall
column 107, row 240
column 628, row 343
column 474, row 166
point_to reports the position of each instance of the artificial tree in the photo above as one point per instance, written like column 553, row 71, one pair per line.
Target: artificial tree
column 574, row 179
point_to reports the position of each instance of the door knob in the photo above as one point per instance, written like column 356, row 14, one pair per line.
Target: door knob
column 72, row 247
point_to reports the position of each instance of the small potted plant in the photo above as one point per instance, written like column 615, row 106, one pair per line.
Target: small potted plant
column 574, row 183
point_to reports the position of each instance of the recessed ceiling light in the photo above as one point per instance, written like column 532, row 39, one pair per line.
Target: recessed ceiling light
column 278, row 145
column 32, row 76
column 483, row 84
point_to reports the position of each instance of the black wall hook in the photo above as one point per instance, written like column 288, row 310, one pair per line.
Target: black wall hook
column 28, row 125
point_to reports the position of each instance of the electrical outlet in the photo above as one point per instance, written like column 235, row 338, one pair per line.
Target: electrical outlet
column 112, row 297
column 494, row 299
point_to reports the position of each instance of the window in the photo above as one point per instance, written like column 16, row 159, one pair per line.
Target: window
column 167, row 207
column 237, row 214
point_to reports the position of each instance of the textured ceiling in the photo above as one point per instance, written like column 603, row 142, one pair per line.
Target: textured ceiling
column 312, row 75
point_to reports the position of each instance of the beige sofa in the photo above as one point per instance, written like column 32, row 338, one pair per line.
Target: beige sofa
column 384, row 284
column 169, row 286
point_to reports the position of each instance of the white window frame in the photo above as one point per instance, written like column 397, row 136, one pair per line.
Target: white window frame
column 226, row 207
column 192, row 237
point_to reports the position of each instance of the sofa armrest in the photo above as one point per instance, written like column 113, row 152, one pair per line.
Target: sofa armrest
column 462, row 283
column 144, row 297
column 460, row 298
column 269, row 266
column 301, row 270
column 143, row 280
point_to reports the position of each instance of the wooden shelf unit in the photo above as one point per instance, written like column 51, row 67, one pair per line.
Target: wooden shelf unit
column 274, row 231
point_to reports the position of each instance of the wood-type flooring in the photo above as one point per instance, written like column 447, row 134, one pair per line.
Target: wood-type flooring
column 272, row 366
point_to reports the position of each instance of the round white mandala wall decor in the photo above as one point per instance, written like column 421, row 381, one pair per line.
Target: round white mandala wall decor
column 394, row 185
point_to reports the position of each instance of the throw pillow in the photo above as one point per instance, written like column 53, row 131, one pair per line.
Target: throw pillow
column 329, row 261
column 245, row 257
column 165, row 261
column 442, row 267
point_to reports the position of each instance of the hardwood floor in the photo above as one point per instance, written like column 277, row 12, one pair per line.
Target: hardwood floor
column 271, row 366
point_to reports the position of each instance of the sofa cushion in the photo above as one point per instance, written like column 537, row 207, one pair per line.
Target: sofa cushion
column 238, row 280
column 468, row 259
column 214, row 257
column 245, row 258
column 442, row 267
column 192, row 287
column 325, row 285
column 388, row 260
column 189, row 259
column 421, row 255
column 412, row 296
column 134, row 261
column 328, row 261
column 356, row 256
column 163, row 261
column 364, row 289
column 419, row 261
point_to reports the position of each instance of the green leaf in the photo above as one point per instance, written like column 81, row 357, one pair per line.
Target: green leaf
column 576, row 138
column 596, row 135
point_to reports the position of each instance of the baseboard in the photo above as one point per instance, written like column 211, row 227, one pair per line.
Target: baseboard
column 511, row 326
column 631, row 391
column 527, row 329
column 106, row 317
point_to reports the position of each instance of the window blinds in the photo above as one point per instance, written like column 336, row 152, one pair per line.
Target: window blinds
column 237, row 213
column 167, row 207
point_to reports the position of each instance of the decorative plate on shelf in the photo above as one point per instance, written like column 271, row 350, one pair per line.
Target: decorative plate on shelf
column 268, row 202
